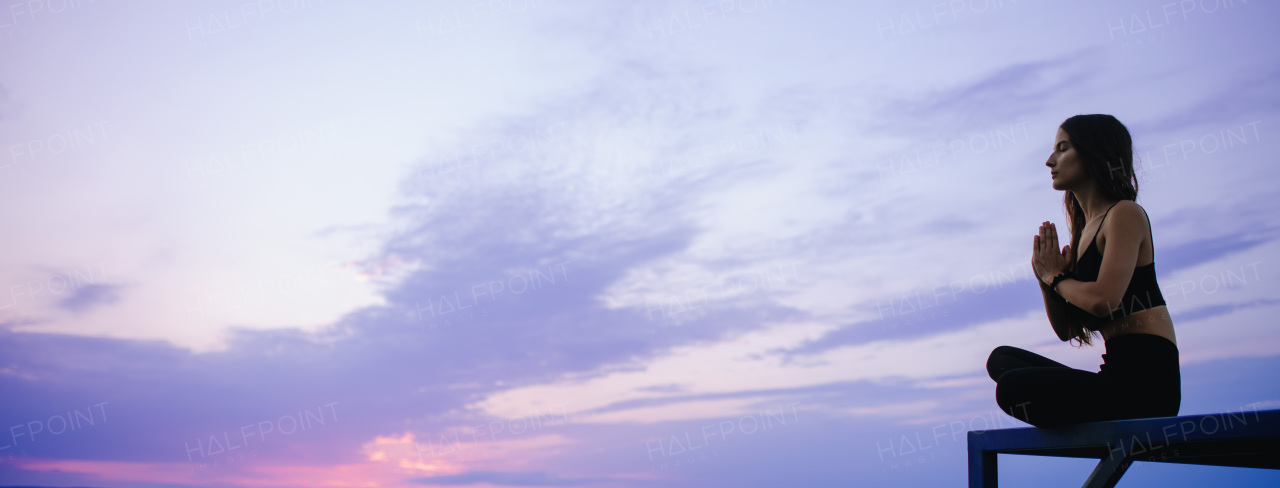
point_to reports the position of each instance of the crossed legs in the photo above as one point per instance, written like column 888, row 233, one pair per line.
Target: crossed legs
column 1005, row 358
column 1045, row 393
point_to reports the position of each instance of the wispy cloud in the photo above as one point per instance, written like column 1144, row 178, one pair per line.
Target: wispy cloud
column 540, row 478
column 91, row 296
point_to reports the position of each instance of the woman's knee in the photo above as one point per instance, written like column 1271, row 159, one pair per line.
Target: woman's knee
column 997, row 362
column 1003, row 352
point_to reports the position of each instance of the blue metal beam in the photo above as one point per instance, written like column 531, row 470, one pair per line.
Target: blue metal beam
column 1243, row 439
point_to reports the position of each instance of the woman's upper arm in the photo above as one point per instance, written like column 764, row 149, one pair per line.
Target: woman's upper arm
column 1126, row 229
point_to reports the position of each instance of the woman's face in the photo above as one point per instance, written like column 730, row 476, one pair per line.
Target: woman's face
column 1064, row 164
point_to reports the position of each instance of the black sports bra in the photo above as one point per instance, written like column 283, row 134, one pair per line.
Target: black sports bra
column 1143, row 291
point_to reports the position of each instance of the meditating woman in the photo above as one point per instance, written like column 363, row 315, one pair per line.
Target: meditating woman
column 1109, row 289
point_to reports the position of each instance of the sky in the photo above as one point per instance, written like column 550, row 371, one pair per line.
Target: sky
column 511, row 243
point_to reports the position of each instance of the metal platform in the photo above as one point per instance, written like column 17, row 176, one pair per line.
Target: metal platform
column 1248, row 438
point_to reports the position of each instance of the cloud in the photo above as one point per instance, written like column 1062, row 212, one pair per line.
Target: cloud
column 1176, row 256
column 951, row 306
column 504, row 264
column 7, row 106
column 1250, row 93
column 90, row 296
column 540, row 478
column 755, row 370
column 1218, row 310
column 1010, row 93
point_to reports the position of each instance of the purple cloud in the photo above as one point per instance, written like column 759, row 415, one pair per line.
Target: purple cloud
column 90, row 296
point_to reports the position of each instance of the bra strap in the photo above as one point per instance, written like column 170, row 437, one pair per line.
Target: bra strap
column 1103, row 221
column 1104, row 217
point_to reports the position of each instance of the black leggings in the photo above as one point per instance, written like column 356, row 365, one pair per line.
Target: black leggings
column 1139, row 378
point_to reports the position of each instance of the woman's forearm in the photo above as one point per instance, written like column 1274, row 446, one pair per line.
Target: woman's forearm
column 1054, row 308
column 1062, row 315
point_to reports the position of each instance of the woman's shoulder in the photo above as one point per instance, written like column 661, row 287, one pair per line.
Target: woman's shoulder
column 1127, row 215
column 1132, row 209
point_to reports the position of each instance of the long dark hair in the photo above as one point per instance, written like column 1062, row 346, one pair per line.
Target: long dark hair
column 1106, row 153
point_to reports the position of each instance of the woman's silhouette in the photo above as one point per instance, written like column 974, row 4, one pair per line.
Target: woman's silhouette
column 1109, row 289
